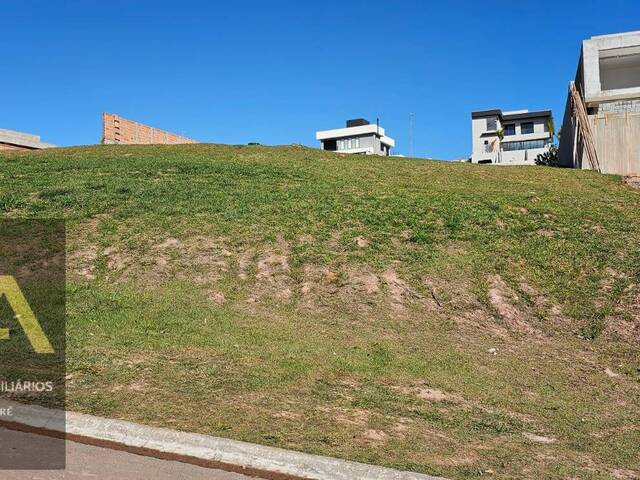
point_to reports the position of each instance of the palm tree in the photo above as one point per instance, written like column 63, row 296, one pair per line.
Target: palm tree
column 500, row 134
column 552, row 129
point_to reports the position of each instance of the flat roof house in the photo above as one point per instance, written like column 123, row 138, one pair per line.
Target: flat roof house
column 525, row 135
column 15, row 141
column 359, row 136
column 601, row 125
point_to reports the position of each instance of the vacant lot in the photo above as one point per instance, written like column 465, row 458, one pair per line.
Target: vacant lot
column 452, row 319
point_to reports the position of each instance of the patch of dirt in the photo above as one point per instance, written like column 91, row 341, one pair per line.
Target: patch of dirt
column 538, row 438
column 217, row 297
column 401, row 427
column 117, row 261
column 312, row 277
column 625, row 474
column 552, row 312
column 453, row 250
column 366, row 282
column 81, row 263
column 422, row 391
column 137, row 359
column 272, row 265
column 503, row 299
column 244, row 263
column 632, row 180
column 287, row 415
column 399, row 290
column 334, row 240
column 199, row 258
column 545, row 233
column 404, row 240
column 610, row 373
column 432, row 394
column 306, row 239
column 139, row 386
column 168, row 243
column 624, row 323
column 272, row 276
column 609, row 279
column 357, row 289
column 472, row 321
column 362, row 242
column 375, row 437
column 347, row 417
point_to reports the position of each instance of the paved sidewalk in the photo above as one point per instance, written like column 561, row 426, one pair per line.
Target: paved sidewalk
column 88, row 462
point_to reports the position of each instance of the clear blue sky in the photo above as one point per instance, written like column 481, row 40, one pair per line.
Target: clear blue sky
column 275, row 71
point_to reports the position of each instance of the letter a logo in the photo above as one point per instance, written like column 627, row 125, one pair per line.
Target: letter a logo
column 28, row 321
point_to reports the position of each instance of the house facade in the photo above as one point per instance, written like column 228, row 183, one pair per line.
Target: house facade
column 359, row 137
column 11, row 141
column 606, row 95
column 510, row 138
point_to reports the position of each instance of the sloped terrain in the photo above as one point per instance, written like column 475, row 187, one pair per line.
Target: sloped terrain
column 453, row 319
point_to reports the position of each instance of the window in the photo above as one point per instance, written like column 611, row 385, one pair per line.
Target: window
column 526, row 127
column 526, row 145
column 510, row 129
column 492, row 124
column 349, row 143
column 619, row 68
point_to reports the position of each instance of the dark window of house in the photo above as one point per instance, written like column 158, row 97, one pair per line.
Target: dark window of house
column 330, row 145
column 525, row 145
column 510, row 129
column 492, row 123
column 526, row 127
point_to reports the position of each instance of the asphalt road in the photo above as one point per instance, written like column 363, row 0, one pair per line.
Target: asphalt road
column 88, row 462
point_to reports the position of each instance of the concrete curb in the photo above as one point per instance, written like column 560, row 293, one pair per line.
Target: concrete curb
column 204, row 450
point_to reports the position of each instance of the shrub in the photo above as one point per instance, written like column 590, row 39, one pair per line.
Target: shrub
column 549, row 158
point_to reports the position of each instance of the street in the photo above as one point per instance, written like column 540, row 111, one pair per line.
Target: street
column 86, row 461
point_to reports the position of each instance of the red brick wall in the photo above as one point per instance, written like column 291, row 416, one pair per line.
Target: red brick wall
column 116, row 129
column 5, row 147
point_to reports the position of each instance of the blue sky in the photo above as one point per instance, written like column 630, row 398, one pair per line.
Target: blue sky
column 275, row 71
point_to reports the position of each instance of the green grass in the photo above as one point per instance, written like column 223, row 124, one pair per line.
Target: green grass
column 346, row 305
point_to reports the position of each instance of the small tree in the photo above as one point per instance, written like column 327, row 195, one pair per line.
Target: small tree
column 551, row 127
column 548, row 158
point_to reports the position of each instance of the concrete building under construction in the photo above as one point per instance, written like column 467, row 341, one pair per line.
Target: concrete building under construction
column 601, row 125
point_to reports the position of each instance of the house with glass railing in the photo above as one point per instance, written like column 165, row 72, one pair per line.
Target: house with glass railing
column 510, row 138
column 359, row 137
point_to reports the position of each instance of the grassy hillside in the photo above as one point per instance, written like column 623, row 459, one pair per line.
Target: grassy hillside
column 454, row 319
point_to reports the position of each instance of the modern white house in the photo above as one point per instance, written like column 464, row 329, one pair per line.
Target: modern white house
column 510, row 138
column 601, row 126
column 359, row 136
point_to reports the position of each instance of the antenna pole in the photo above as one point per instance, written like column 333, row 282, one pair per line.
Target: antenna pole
column 411, row 134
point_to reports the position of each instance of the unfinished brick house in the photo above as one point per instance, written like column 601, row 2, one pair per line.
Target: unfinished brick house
column 119, row 130
column 12, row 141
